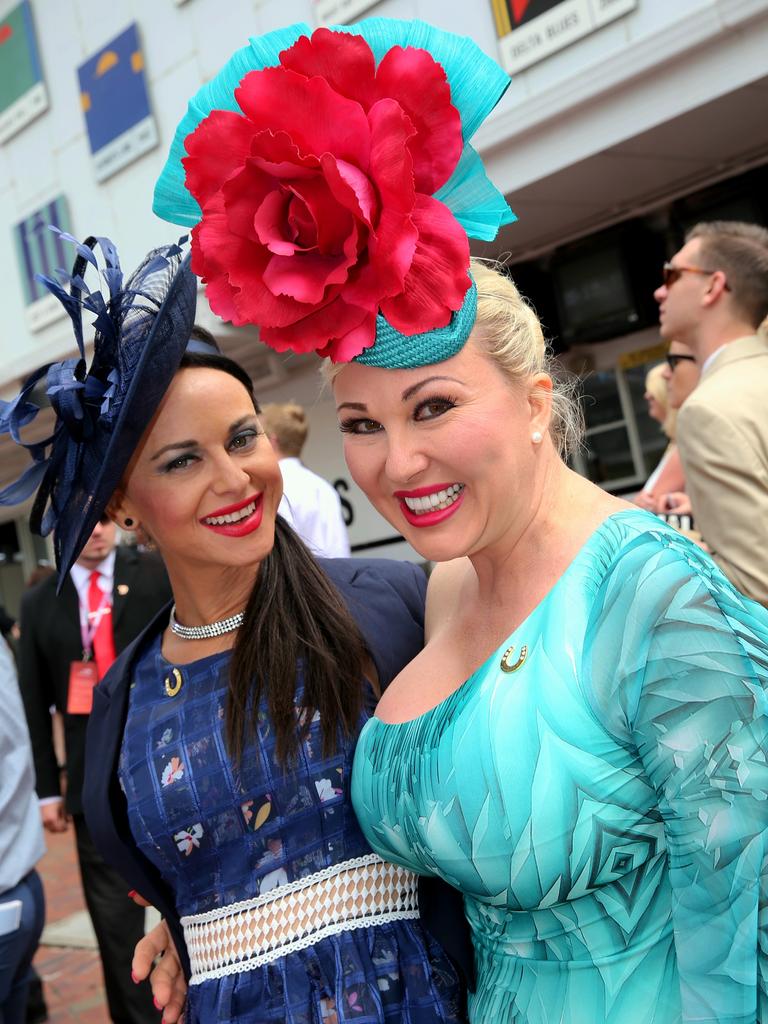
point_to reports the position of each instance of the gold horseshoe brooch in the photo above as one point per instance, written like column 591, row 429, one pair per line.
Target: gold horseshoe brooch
column 173, row 687
column 507, row 665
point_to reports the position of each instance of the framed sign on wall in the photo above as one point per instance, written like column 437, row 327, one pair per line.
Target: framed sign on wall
column 22, row 90
column 531, row 30
column 40, row 251
column 115, row 101
column 340, row 12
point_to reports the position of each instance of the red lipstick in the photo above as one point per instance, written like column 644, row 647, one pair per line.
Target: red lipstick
column 243, row 526
column 229, row 509
column 438, row 515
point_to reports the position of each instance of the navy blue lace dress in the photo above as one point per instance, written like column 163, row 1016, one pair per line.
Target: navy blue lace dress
column 220, row 835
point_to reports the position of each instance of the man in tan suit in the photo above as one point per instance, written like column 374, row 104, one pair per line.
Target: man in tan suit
column 714, row 296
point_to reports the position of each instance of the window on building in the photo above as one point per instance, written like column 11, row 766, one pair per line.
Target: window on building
column 622, row 443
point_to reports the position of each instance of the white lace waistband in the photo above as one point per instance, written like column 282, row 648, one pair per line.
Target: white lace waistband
column 353, row 894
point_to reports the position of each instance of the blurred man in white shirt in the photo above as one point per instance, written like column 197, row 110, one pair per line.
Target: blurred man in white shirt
column 310, row 504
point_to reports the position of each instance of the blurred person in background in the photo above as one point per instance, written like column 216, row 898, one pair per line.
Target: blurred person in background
column 668, row 474
column 681, row 373
column 713, row 299
column 22, row 904
column 67, row 643
column 8, row 628
column 310, row 504
column 667, row 386
column 37, row 1010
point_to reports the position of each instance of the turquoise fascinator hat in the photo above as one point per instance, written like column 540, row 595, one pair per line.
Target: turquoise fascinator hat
column 331, row 188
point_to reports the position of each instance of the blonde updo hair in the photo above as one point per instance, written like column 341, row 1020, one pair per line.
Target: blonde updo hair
column 508, row 331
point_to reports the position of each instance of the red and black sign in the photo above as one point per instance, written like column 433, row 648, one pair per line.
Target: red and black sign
column 511, row 14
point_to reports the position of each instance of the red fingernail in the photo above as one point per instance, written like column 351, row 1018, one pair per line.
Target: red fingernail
column 132, row 893
column 157, row 1005
column 134, row 978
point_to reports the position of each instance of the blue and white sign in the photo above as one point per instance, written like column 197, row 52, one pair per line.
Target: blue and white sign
column 40, row 251
column 114, row 98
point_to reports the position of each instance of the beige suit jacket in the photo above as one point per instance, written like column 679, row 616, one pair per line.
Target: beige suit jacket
column 722, row 434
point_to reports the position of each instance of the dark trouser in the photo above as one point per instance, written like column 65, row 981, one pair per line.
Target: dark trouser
column 37, row 1011
column 18, row 947
column 119, row 924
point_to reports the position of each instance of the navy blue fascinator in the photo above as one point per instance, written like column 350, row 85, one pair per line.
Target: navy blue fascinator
column 142, row 329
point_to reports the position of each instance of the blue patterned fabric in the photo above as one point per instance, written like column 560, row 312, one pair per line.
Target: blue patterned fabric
column 219, row 834
column 604, row 807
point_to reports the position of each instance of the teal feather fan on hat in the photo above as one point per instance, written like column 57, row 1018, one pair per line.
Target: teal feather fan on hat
column 332, row 188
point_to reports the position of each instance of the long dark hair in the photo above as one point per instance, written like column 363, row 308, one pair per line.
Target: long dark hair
column 294, row 617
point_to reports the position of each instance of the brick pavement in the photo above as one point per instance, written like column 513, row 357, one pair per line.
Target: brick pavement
column 72, row 978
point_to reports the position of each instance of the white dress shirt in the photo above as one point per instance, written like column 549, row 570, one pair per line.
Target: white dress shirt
column 313, row 509
column 711, row 358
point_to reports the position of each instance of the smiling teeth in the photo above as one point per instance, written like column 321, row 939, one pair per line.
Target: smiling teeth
column 233, row 517
column 436, row 501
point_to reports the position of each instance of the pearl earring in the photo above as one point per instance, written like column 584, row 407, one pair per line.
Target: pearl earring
column 537, row 437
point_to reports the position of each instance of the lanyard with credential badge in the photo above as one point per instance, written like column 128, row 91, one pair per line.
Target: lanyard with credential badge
column 90, row 622
column 84, row 674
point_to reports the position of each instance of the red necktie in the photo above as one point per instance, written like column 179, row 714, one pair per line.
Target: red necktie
column 99, row 610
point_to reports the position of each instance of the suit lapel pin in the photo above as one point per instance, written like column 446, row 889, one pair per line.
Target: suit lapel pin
column 122, row 589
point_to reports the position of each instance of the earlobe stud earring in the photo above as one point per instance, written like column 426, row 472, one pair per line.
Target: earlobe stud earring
column 537, row 437
column 128, row 522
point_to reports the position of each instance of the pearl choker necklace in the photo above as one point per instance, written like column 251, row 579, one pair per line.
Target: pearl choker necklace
column 210, row 629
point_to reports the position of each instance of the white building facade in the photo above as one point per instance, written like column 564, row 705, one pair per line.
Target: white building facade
column 625, row 122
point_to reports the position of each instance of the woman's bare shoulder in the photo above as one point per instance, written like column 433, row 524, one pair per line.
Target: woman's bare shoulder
column 447, row 582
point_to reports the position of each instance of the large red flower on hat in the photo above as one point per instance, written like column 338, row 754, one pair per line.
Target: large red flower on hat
column 317, row 201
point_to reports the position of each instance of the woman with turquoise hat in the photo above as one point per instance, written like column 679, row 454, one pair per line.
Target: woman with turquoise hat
column 580, row 747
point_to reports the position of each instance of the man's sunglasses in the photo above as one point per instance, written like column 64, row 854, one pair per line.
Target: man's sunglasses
column 672, row 272
column 673, row 359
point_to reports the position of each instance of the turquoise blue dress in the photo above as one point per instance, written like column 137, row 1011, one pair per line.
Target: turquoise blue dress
column 604, row 805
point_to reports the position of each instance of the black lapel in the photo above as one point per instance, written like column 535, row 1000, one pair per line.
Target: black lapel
column 126, row 566
column 105, row 736
column 68, row 605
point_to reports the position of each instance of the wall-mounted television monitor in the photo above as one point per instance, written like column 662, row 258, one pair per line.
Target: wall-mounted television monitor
column 605, row 288
column 595, row 294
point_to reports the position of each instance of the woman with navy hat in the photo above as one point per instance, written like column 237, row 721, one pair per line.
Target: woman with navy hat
column 220, row 743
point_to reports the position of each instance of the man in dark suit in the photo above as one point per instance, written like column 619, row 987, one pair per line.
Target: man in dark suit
column 67, row 643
